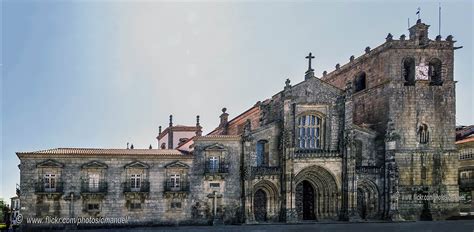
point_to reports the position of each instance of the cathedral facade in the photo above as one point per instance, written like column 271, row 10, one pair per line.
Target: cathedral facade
column 372, row 140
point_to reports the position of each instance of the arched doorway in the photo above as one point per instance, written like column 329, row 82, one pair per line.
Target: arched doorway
column 317, row 194
column 260, row 205
column 367, row 199
column 362, row 203
column 305, row 201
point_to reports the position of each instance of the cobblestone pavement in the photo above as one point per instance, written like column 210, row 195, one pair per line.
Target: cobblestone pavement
column 449, row 226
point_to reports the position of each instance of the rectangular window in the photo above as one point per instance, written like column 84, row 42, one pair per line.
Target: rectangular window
column 135, row 205
column 175, row 182
column 135, row 182
column 93, row 207
column 50, row 182
column 175, row 205
column 214, row 164
column 214, row 185
column 93, row 181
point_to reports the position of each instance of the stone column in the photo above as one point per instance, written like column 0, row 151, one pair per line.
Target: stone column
column 391, row 174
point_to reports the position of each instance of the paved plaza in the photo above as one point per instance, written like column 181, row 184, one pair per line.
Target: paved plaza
column 427, row 226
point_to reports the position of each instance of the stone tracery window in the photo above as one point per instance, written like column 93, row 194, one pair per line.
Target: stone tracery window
column 309, row 130
column 423, row 133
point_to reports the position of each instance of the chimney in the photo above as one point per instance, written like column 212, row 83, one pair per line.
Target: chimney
column 159, row 130
column 127, row 145
column 170, row 133
column 150, row 147
column 198, row 127
column 131, row 146
column 224, row 121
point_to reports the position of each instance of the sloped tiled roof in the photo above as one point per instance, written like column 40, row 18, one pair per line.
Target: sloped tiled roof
column 466, row 140
column 103, row 151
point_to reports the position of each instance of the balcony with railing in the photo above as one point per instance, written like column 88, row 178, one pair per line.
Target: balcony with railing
column 466, row 183
column 176, row 189
column 181, row 186
column 265, row 171
column 315, row 153
column 214, row 168
column 52, row 187
column 99, row 187
column 368, row 170
column 136, row 187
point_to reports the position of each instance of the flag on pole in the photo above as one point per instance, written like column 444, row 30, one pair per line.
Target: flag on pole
column 418, row 12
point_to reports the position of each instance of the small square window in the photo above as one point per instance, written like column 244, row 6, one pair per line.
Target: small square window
column 176, row 205
column 214, row 185
column 93, row 207
column 135, row 205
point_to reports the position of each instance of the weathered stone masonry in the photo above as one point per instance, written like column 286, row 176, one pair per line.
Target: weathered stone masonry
column 355, row 144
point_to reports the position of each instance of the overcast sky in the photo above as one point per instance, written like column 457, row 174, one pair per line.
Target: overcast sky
column 103, row 73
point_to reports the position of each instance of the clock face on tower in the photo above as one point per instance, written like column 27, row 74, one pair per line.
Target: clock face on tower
column 421, row 72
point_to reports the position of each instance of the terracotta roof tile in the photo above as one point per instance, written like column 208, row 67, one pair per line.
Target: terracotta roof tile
column 104, row 151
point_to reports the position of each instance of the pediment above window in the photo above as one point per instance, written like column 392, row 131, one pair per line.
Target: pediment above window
column 50, row 164
column 94, row 164
column 137, row 164
column 215, row 147
column 177, row 164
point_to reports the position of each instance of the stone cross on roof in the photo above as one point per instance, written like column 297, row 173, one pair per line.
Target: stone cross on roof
column 309, row 57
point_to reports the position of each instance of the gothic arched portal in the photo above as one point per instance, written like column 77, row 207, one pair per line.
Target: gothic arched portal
column 265, row 202
column 367, row 199
column 316, row 194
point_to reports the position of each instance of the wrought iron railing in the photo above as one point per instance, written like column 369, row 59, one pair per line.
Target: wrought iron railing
column 143, row 186
column 49, row 187
column 368, row 170
column 468, row 182
column 315, row 153
column 181, row 186
column 99, row 187
column 220, row 167
column 265, row 170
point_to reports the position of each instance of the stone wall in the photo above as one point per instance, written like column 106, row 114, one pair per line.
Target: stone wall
column 155, row 208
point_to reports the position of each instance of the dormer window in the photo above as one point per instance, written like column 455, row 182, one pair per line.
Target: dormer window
column 309, row 132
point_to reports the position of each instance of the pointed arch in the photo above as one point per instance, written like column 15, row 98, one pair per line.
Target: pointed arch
column 272, row 203
column 367, row 199
column 325, row 192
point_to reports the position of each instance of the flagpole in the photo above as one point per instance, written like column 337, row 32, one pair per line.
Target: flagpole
column 439, row 18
